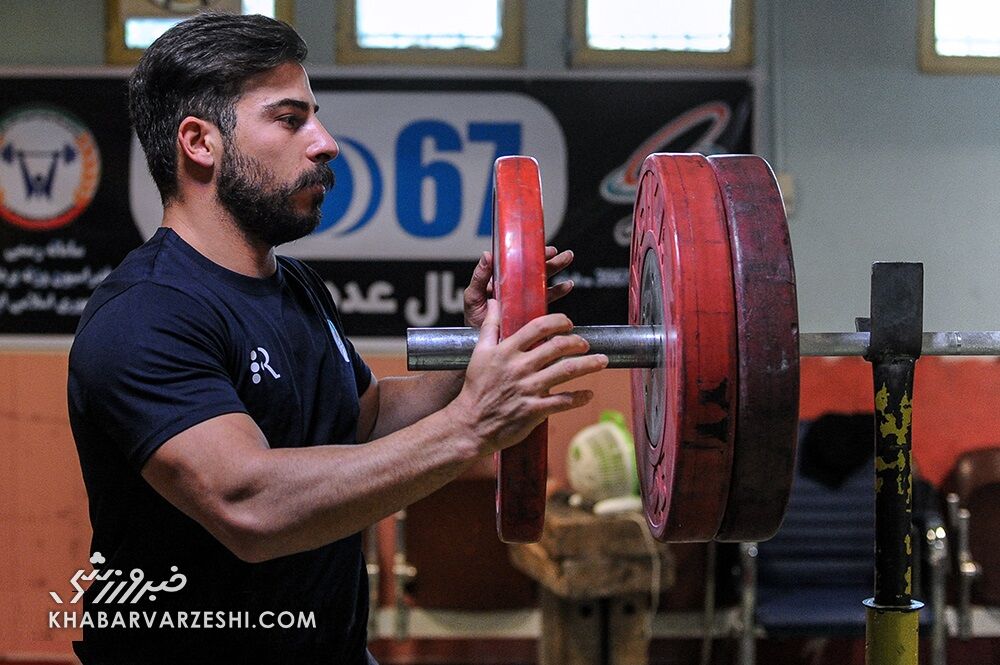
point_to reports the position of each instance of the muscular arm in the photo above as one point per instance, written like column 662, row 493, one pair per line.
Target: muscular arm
column 264, row 502
column 398, row 401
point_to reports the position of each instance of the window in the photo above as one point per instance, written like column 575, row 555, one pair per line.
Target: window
column 960, row 36
column 675, row 33
column 436, row 32
column 135, row 24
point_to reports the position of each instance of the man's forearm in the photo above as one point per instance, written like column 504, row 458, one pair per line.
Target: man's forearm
column 434, row 449
column 304, row 498
column 403, row 400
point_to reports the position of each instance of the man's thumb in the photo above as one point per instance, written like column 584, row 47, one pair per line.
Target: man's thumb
column 489, row 332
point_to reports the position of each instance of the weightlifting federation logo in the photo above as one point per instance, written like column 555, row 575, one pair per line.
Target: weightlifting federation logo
column 49, row 168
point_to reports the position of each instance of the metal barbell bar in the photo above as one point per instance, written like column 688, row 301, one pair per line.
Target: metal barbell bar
column 451, row 348
column 640, row 346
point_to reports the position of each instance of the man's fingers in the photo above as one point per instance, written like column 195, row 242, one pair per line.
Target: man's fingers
column 556, row 262
column 555, row 348
column 559, row 290
column 489, row 331
column 565, row 401
column 538, row 330
column 568, row 369
column 483, row 271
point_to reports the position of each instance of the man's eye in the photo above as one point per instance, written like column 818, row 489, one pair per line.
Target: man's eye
column 291, row 121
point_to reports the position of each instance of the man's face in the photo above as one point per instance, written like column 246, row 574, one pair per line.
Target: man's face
column 273, row 174
column 264, row 209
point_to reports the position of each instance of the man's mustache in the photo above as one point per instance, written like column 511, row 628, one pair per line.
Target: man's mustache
column 321, row 175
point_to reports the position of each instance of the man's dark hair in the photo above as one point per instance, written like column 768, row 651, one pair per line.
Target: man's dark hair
column 198, row 68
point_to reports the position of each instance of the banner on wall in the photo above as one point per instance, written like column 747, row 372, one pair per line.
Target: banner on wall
column 411, row 209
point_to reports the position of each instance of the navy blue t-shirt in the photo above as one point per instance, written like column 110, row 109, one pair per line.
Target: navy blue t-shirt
column 169, row 340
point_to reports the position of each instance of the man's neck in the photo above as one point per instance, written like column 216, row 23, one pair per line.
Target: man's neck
column 209, row 228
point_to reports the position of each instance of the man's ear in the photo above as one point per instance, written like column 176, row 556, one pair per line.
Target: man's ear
column 200, row 141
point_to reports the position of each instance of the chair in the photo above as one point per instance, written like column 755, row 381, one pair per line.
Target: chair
column 973, row 488
column 810, row 579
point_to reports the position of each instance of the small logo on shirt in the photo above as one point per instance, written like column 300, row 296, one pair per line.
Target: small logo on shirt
column 264, row 363
column 336, row 339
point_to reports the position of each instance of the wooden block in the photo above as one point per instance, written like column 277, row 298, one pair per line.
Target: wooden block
column 611, row 631
column 590, row 577
column 572, row 632
column 572, row 532
column 629, row 630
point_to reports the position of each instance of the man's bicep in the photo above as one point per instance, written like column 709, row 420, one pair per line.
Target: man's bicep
column 206, row 469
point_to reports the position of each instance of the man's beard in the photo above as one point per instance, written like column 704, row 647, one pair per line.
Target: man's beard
column 263, row 209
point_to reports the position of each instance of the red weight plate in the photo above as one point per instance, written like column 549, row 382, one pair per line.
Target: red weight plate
column 519, row 287
column 767, row 322
column 683, row 412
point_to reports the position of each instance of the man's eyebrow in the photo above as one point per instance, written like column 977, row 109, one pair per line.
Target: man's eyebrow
column 294, row 103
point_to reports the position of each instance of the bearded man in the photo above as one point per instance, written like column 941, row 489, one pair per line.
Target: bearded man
column 233, row 442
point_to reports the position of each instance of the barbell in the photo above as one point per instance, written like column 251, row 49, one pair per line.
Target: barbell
column 712, row 342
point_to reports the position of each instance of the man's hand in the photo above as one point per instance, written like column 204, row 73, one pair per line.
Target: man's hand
column 506, row 390
column 398, row 402
column 480, row 288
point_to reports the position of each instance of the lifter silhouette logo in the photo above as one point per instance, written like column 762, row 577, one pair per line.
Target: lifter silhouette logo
column 49, row 168
column 260, row 360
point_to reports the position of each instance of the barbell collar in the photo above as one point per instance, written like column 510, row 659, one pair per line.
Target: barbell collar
column 641, row 346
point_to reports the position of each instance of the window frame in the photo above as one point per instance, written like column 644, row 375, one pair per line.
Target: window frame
column 739, row 56
column 117, row 53
column 932, row 62
column 509, row 51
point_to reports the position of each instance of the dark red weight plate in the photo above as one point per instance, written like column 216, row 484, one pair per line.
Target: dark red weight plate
column 519, row 287
column 767, row 322
column 683, row 412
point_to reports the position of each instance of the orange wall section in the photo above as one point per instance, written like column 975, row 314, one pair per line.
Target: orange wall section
column 44, row 527
column 45, row 531
column 956, row 403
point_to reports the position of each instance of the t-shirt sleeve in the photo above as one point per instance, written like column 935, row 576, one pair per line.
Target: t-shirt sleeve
column 148, row 365
column 362, row 372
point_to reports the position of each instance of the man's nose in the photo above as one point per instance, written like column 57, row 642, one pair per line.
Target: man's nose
column 324, row 147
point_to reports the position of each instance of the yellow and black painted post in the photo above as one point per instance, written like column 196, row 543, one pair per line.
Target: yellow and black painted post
column 896, row 331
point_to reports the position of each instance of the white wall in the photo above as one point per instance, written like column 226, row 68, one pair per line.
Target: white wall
column 56, row 32
column 889, row 163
